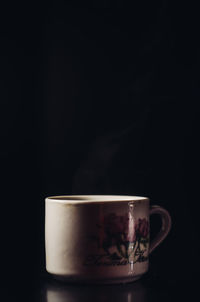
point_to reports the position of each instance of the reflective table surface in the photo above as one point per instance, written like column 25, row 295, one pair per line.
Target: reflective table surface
column 151, row 287
column 143, row 290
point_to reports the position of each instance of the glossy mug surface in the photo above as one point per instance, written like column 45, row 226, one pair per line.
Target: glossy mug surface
column 100, row 238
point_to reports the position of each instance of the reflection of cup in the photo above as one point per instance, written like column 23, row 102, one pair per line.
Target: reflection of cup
column 100, row 239
column 127, row 293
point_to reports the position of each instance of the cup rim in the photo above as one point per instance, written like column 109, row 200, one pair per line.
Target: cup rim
column 94, row 199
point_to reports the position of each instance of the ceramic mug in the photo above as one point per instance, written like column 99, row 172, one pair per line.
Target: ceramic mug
column 100, row 238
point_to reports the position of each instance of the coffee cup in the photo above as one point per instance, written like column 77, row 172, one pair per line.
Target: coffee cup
column 100, row 238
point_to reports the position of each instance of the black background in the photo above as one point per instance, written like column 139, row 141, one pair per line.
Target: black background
column 98, row 98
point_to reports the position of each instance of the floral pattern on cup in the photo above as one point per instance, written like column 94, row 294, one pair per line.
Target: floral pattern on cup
column 123, row 238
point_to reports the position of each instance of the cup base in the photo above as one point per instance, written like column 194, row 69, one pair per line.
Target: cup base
column 85, row 280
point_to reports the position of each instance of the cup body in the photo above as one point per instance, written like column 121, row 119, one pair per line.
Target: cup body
column 100, row 239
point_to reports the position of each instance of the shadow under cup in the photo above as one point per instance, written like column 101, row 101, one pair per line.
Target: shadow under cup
column 68, row 293
column 100, row 238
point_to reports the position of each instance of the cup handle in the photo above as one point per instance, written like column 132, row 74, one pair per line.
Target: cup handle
column 165, row 228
